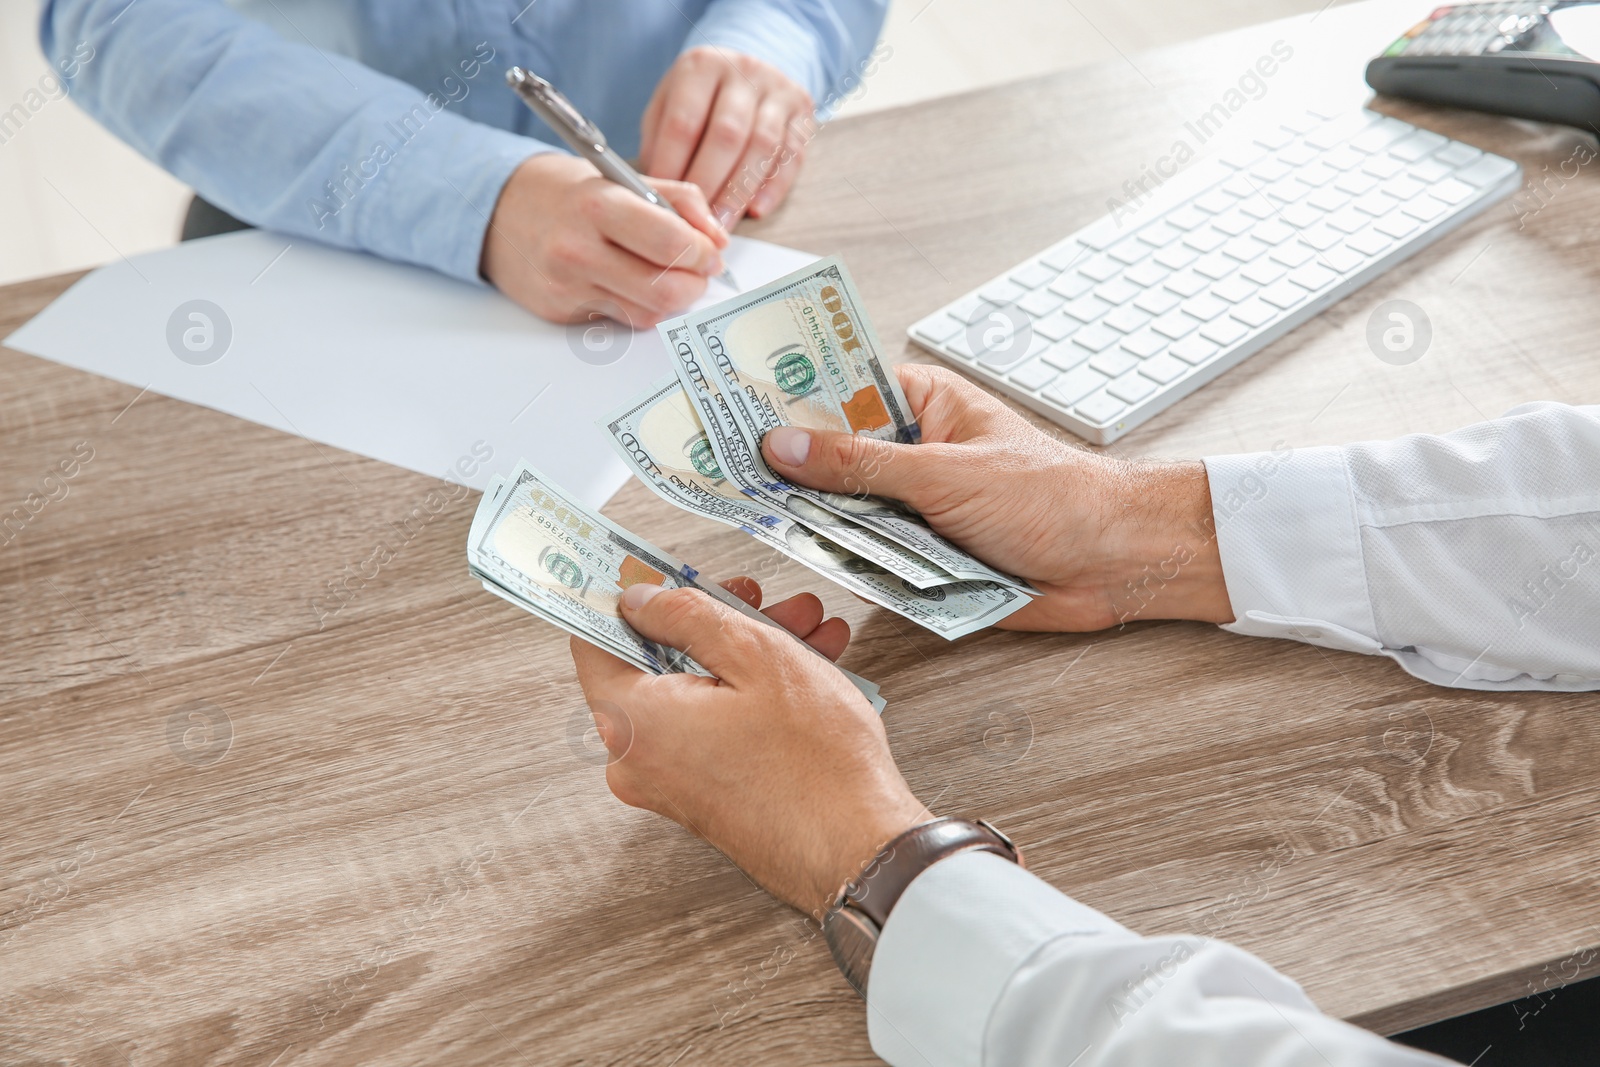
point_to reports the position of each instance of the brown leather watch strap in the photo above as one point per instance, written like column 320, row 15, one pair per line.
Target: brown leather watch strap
column 902, row 859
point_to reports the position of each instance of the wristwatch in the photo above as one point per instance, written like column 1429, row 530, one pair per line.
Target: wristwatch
column 862, row 905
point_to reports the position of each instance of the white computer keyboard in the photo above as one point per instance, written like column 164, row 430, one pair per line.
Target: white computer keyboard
column 1137, row 310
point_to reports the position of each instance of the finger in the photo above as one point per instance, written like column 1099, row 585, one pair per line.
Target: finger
column 683, row 114
column 727, row 132
column 660, row 237
column 724, row 642
column 759, row 161
column 830, row 638
column 791, row 157
column 745, row 588
column 851, row 463
column 602, row 676
column 799, row 614
column 650, row 121
column 638, row 284
column 688, row 201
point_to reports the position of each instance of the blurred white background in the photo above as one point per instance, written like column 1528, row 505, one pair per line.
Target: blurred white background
column 73, row 196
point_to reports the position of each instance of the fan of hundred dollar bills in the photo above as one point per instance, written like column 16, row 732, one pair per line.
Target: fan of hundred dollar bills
column 797, row 352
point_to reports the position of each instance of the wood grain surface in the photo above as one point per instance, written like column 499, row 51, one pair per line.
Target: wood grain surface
column 233, row 831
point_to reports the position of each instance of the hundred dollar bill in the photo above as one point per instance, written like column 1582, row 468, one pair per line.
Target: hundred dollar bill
column 538, row 548
column 661, row 437
column 801, row 352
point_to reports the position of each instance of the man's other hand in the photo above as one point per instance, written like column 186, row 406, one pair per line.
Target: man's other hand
column 1106, row 540
column 730, row 124
column 778, row 761
column 564, row 242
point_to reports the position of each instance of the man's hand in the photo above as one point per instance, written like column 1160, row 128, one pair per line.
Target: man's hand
column 778, row 761
column 730, row 124
column 563, row 241
column 1107, row 540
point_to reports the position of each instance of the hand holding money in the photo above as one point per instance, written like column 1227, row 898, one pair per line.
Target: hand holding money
column 1105, row 540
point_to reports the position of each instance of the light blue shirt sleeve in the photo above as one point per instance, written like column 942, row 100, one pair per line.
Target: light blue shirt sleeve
column 288, row 136
column 301, row 139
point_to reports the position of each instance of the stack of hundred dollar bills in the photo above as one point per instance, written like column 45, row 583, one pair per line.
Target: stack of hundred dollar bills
column 549, row 555
column 801, row 352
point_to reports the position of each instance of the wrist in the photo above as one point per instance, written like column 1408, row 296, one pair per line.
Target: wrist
column 851, row 849
column 1162, row 559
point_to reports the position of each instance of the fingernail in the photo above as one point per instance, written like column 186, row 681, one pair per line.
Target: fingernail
column 726, row 217
column 637, row 596
column 789, row 444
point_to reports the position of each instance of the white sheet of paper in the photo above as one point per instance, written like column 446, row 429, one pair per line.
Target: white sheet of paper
column 385, row 360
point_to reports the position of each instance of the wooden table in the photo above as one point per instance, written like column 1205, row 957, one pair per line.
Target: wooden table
column 232, row 833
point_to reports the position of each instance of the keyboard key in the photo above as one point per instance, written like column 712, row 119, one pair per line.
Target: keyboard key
column 1071, row 285
column 1215, row 202
column 1100, row 268
column 1144, row 344
column 1486, row 171
column 1321, row 236
column 1117, row 291
column 1313, row 277
column 1234, row 290
column 1035, row 376
column 1100, row 234
column 1196, row 350
column 1397, row 224
column 1273, row 140
column 1176, row 257
column 1131, row 387
column 1429, row 170
column 1065, row 255
column 1263, row 271
column 1205, row 307
column 1330, row 199
column 1206, row 240
column 1008, row 352
column 1234, row 223
column 1284, row 295
column 1342, row 260
column 1369, row 242
column 1300, row 216
column 1316, row 174
column 1424, row 207
column 1297, row 155
column 1033, row 275
column 1162, row 369
column 1419, row 144
column 1087, row 308
column 937, row 328
column 1215, row 266
column 1185, row 218
column 1157, row 301
column 963, row 310
column 1269, row 170
column 1348, row 219
column 1240, row 186
column 1272, row 232
column 1288, row 190
column 1100, row 408
column 1040, row 304
column 1187, row 283
column 1457, row 154
column 1383, row 167
column 1175, row 325
column 1065, row 356
column 1292, row 254
column 1342, row 158
column 1258, row 207
column 960, row 345
column 1126, row 318
column 1357, row 183
column 1002, row 292
column 1096, row 338
column 1380, row 135
column 1147, row 274
column 1403, row 187
column 1376, row 203
column 1254, row 312
column 1244, row 249
column 1074, row 385
column 1129, row 252
column 1055, row 326
column 1159, row 235
column 1452, row 191
column 1113, row 362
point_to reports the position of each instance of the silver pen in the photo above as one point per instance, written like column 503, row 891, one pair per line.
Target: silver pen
column 585, row 138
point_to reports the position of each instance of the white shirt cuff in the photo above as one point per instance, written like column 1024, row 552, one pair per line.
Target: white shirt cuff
column 952, row 943
column 1291, row 548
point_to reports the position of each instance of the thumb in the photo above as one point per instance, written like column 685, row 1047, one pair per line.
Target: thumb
column 847, row 463
column 721, row 640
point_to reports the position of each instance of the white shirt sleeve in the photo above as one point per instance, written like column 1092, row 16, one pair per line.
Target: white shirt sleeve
column 983, row 963
column 1471, row 558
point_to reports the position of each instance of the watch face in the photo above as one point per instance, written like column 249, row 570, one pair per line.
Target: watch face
column 852, row 938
